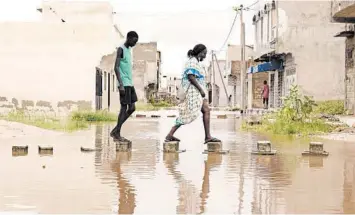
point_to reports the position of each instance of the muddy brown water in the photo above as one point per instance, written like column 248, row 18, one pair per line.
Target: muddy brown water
column 149, row 181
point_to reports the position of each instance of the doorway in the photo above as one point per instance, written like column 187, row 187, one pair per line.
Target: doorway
column 108, row 91
column 98, row 91
column 272, row 91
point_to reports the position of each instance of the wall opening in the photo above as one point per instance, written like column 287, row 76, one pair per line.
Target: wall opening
column 98, row 91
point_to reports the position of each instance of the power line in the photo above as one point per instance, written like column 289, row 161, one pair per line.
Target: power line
column 234, row 20
column 249, row 7
column 230, row 32
column 170, row 13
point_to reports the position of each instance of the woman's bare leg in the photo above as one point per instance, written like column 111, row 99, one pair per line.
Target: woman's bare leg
column 206, row 115
column 170, row 136
column 206, row 112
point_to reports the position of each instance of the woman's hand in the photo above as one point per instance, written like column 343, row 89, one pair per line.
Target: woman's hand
column 202, row 94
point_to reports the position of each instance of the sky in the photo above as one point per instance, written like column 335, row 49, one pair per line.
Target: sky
column 175, row 25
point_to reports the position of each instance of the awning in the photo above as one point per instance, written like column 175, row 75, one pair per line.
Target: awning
column 265, row 67
column 345, row 34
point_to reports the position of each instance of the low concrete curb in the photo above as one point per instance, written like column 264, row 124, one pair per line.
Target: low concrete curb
column 174, row 114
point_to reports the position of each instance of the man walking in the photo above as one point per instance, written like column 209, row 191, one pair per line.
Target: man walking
column 265, row 95
column 128, row 96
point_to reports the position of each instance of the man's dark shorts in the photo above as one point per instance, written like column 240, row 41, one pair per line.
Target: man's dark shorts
column 130, row 96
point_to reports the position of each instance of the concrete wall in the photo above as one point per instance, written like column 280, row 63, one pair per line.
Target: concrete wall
column 53, row 61
column 350, row 76
column 219, row 98
column 146, row 68
column 233, row 59
column 257, row 88
column 308, row 34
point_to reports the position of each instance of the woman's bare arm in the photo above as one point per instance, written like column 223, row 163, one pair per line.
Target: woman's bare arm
column 193, row 81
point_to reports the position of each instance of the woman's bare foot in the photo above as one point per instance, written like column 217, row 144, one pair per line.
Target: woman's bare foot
column 212, row 140
column 171, row 138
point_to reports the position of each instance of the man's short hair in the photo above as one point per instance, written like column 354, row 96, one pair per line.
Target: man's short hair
column 132, row 34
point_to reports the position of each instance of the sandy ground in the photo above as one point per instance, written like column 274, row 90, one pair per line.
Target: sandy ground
column 17, row 130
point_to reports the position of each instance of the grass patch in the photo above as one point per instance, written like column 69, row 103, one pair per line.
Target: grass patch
column 153, row 106
column 296, row 117
column 331, row 107
column 90, row 116
column 46, row 122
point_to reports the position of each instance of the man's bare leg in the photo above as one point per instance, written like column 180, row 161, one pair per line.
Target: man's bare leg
column 125, row 113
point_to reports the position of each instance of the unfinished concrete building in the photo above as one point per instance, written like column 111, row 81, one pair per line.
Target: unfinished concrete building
column 344, row 12
column 294, row 45
column 51, row 65
column 146, row 70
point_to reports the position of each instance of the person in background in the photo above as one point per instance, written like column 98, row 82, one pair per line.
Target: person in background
column 265, row 95
column 230, row 100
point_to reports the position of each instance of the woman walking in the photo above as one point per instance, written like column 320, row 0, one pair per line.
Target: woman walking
column 194, row 84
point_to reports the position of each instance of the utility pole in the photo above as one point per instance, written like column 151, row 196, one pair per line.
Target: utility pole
column 242, row 60
column 212, row 80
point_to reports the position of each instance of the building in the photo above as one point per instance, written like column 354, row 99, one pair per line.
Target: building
column 217, row 80
column 294, row 45
column 52, row 65
column 223, row 78
column 146, row 69
column 233, row 71
column 343, row 12
column 169, row 86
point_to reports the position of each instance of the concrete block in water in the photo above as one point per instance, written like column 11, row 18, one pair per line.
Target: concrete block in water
column 172, row 147
column 19, row 150
column 85, row 149
column 45, row 150
column 123, row 146
column 171, row 116
column 215, row 147
column 140, row 116
column 316, row 148
column 264, row 148
column 224, row 116
column 155, row 116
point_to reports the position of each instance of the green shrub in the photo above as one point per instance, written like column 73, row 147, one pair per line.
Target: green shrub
column 332, row 107
column 295, row 117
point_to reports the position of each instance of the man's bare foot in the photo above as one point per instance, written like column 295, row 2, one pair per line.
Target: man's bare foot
column 171, row 138
column 119, row 138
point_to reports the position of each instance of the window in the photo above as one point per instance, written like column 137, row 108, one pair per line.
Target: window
column 105, row 80
column 169, row 89
column 261, row 31
column 113, row 83
column 268, row 27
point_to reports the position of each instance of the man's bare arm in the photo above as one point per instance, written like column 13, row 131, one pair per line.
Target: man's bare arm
column 117, row 65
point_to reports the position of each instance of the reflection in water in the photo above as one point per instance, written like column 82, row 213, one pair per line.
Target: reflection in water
column 139, row 182
column 127, row 199
column 213, row 161
column 315, row 161
column 187, row 194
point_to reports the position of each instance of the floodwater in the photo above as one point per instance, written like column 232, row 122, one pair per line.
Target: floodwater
column 149, row 181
